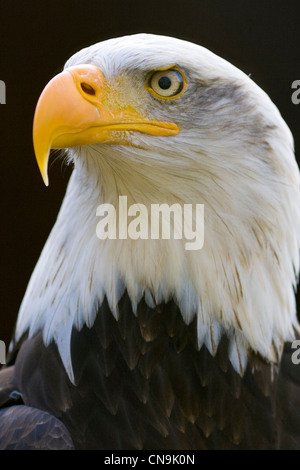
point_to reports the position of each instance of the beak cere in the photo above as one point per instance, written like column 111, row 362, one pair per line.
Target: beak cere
column 74, row 110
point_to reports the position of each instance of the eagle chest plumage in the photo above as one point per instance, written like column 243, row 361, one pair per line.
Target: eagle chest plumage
column 142, row 383
column 133, row 335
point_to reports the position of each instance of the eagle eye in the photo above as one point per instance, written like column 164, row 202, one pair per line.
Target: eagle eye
column 166, row 83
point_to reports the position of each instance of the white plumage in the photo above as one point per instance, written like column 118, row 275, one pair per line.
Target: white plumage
column 234, row 154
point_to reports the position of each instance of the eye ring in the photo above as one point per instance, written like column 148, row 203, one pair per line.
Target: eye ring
column 166, row 83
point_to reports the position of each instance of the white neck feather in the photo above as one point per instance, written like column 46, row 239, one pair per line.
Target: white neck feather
column 240, row 282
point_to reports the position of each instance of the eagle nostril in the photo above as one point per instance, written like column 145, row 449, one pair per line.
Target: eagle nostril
column 87, row 88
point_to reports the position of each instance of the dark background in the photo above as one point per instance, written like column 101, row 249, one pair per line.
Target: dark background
column 261, row 37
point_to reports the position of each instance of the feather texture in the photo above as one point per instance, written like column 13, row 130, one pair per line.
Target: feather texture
column 159, row 391
column 142, row 343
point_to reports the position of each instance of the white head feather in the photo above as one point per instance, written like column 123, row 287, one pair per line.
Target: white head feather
column 234, row 154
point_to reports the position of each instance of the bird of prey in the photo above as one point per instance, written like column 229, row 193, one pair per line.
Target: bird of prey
column 136, row 342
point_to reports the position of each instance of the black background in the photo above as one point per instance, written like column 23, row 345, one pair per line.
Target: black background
column 36, row 37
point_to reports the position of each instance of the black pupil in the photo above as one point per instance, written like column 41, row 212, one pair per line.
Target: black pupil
column 164, row 83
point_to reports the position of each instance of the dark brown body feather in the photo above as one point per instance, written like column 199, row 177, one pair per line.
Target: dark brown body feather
column 142, row 383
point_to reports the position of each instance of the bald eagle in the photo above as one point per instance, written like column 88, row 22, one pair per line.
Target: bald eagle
column 137, row 342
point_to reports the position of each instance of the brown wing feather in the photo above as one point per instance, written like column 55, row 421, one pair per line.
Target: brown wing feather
column 141, row 383
column 26, row 428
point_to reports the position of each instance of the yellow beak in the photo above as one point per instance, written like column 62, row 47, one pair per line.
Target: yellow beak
column 75, row 108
